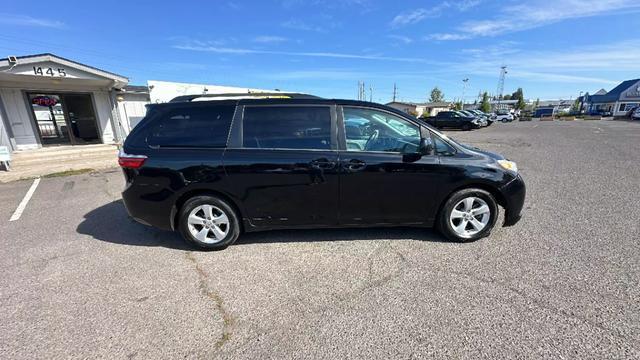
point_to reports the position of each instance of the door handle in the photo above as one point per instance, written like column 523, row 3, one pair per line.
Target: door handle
column 324, row 164
column 354, row 165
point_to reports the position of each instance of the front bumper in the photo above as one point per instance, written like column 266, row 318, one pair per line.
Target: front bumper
column 514, row 194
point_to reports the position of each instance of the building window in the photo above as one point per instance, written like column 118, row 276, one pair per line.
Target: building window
column 622, row 107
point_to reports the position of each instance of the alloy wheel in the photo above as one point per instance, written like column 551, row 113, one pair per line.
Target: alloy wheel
column 208, row 224
column 470, row 216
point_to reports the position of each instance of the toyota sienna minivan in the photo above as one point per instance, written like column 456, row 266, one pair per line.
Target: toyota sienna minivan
column 214, row 167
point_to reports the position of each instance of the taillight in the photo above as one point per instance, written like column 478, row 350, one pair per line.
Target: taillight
column 130, row 161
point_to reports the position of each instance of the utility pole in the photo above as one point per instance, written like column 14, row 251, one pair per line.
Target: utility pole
column 370, row 93
column 503, row 73
column 465, row 81
column 395, row 90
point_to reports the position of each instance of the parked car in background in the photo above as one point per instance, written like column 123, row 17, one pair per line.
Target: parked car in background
column 503, row 116
column 486, row 116
column 525, row 115
column 469, row 113
column 600, row 112
column 542, row 112
column 214, row 169
column 452, row 119
column 634, row 113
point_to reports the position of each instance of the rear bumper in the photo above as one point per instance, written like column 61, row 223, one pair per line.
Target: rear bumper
column 147, row 207
column 514, row 194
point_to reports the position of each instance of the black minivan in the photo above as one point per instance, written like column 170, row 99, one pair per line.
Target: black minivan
column 213, row 167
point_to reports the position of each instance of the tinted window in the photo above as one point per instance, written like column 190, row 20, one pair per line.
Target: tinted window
column 194, row 126
column 287, row 127
column 372, row 130
column 442, row 148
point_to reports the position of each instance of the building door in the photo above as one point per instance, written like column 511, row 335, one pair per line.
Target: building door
column 64, row 118
column 50, row 120
column 82, row 118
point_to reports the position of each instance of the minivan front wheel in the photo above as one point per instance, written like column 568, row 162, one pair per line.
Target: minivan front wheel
column 468, row 215
column 209, row 222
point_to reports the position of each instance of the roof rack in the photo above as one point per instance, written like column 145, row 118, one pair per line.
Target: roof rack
column 250, row 95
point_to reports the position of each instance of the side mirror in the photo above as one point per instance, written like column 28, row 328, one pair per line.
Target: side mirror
column 426, row 146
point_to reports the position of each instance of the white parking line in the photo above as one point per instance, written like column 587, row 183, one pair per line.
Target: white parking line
column 23, row 204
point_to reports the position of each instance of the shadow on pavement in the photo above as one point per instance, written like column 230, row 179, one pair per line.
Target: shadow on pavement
column 349, row 234
column 111, row 223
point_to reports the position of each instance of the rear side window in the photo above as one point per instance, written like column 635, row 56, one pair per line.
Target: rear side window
column 287, row 127
column 193, row 126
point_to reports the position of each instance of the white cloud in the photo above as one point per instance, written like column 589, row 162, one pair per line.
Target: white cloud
column 417, row 15
column 268, row 39
column 446, row 37
column 540, row 13
column 24, row 20
column 203, row 46
column 400, row 38
column 301, row 25
column 585, row 65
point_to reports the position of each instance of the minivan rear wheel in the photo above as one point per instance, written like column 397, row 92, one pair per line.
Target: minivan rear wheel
column 468, row 215
column 209, row 222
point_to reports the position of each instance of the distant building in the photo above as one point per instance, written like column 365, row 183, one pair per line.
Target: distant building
column 556, row 106
column 421, row 109
column 503, row 104
column 618, row 101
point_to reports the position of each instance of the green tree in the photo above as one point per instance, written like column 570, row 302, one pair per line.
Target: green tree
column 485, row 106
column 519, row 95
column 507, row 97
column 458, row 105
column 436, row 95
column 576, row 106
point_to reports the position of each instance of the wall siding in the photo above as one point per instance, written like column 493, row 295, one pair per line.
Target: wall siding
column 19, row 119
column 104, row 112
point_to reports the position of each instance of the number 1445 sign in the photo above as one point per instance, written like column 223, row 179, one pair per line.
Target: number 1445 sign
column 47, row 71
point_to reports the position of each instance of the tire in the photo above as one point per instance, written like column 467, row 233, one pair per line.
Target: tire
column 215, row 224
column 504, row 120
column 451, row 225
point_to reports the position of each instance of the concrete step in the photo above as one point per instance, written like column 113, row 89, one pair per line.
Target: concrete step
column 61, row 151
column 85, row 160
column 65, row 157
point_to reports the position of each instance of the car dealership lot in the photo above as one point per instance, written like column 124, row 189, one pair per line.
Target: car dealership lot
column 83, row 280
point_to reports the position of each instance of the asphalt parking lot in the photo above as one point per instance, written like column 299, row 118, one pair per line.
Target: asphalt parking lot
column 82, row 280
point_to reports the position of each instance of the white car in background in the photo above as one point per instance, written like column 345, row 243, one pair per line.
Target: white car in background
column 503, row 116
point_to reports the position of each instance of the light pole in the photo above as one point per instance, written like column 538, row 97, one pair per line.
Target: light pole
column 465, row 81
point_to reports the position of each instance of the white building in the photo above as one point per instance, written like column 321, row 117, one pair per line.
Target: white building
column 421, row 109
column 49, row 100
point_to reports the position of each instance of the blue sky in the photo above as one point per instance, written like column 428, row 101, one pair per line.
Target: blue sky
column 553, row 49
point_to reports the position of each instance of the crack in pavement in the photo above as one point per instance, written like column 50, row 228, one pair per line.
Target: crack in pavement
column 540, row 304
column 341, row 301
column 228, row 320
